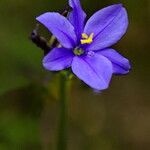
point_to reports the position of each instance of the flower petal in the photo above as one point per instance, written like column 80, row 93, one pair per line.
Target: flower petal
column 121, row 65
column 60, row 27
column 58, row 59
column 96, row 71
column 77, row 17
column 108, row 26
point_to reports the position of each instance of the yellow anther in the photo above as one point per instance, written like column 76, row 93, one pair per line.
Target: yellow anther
column 91, row 36
column 84, row 36
column 87, row 39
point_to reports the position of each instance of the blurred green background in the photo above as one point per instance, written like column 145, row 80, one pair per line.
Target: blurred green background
column 116, row 119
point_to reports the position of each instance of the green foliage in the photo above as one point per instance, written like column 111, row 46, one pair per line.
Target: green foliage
column 20, row 60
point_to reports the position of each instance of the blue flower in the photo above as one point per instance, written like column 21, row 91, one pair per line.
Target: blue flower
column 85, row 47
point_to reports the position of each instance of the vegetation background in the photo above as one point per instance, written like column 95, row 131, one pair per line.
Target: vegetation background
column 116, row 119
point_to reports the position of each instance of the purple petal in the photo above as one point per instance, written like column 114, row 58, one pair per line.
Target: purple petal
column 60, row 27
column 77, row 17
column 95, row 71
column 108, row 26
column 121, row 65
column 58, row 59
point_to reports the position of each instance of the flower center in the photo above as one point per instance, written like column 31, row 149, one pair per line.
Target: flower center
column 78, row 51
column 87, row 39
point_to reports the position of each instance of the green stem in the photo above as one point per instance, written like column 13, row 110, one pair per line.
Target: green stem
column 62, row 131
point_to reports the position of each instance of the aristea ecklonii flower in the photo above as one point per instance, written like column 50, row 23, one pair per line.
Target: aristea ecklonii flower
column 85, row 47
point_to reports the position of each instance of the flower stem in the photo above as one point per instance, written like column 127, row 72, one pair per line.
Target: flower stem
column 62, row 130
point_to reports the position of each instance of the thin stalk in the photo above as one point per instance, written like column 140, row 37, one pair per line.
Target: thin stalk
column 63, row 122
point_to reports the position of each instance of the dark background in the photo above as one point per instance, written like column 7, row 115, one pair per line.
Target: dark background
column 116, row 119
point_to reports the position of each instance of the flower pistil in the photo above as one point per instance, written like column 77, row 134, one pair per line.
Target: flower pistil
column 78, row 51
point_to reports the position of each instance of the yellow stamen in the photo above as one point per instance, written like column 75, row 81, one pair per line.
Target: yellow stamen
column 87, row 39
column 84, row 36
